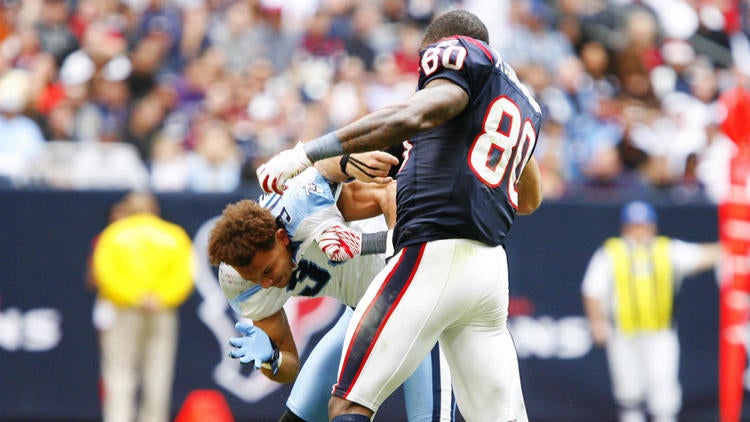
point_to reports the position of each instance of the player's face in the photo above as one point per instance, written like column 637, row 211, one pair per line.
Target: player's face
column 271, row 268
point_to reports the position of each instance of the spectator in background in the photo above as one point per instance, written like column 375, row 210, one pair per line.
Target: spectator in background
column 280, row 43
column 107, row 165
column 215, row 163
column 318, row 41
column 193, row 42
column 45, row 91
column 145, row 122
column 639, row 54
column 628, row 294
column 409, row 37
column 365, row 19
column 161, row 20
column 592, row 129
column 673, row 74
column 534, row 38
column 101, row 60
column 288, row 56
column 169, row 164
column 143, row 266
column 345, row 100
column 75, row 77
column 55, row 35
column 234, row 35
column 146, row 55
column 111, row 96
column 675, row 132
column 596, row 63
column 21, row 139
column 387, row 86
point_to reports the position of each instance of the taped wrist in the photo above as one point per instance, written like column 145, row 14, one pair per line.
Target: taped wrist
column 326, row 146
column 275, row 362
column 373, row 243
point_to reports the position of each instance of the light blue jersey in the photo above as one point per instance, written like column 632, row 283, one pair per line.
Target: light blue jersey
column 307, row 208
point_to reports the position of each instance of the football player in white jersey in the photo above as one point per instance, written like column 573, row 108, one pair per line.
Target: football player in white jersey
column 284, row 246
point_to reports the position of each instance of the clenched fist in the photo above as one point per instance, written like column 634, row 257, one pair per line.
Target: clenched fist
column 340, row 243
column 274, row 174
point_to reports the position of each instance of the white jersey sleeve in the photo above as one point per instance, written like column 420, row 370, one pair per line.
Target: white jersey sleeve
column 597, row 280
column 686, row 258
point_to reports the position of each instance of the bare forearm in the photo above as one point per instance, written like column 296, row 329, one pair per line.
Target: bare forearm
column 377, row 130
column 330, row 169
column 437, row 103
column 530, row 188
column 278, row 330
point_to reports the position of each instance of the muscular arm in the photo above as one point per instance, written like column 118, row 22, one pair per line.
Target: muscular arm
column 439, row 101
column 530, row 188
column 330, row 169
column 277, row 328
column 364, row 200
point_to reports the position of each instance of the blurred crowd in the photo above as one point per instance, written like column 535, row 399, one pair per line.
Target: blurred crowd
column 191, row 95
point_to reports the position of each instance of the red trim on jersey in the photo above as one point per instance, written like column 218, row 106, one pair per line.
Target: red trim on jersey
column 480, row 45
column 386, row 317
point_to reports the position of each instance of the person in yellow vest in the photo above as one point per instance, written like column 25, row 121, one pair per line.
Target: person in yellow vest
column 628, row 296
column 142, row 267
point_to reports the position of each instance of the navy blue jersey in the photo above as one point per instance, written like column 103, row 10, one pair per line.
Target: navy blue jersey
column 459, row 179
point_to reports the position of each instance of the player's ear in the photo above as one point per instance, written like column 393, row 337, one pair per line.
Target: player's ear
column 282, row 237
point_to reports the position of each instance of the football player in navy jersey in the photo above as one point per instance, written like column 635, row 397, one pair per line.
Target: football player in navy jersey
column 469, row 132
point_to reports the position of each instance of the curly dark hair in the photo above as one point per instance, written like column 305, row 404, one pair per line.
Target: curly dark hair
column 455, row 22
column 244, row 228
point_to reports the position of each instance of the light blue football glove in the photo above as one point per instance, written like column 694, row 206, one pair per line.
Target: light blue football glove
column 254, row 345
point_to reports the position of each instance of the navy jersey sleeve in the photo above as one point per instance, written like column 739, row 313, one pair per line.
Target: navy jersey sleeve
column 462, row 60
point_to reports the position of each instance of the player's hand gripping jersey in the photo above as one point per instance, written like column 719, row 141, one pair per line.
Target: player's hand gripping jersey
column 306, row 209
column 479, row 154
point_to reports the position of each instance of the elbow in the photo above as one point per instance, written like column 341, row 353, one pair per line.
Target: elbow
column 406, row 121
column 528, row 206
column 529, row 187
column 406, row 124
column 529, row 199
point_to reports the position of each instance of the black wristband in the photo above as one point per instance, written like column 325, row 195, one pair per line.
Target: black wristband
column 273, row 362
column 343, row 162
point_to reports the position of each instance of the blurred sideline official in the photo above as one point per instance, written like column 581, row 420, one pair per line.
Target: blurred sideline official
column 142, row 267
column 628, row 296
